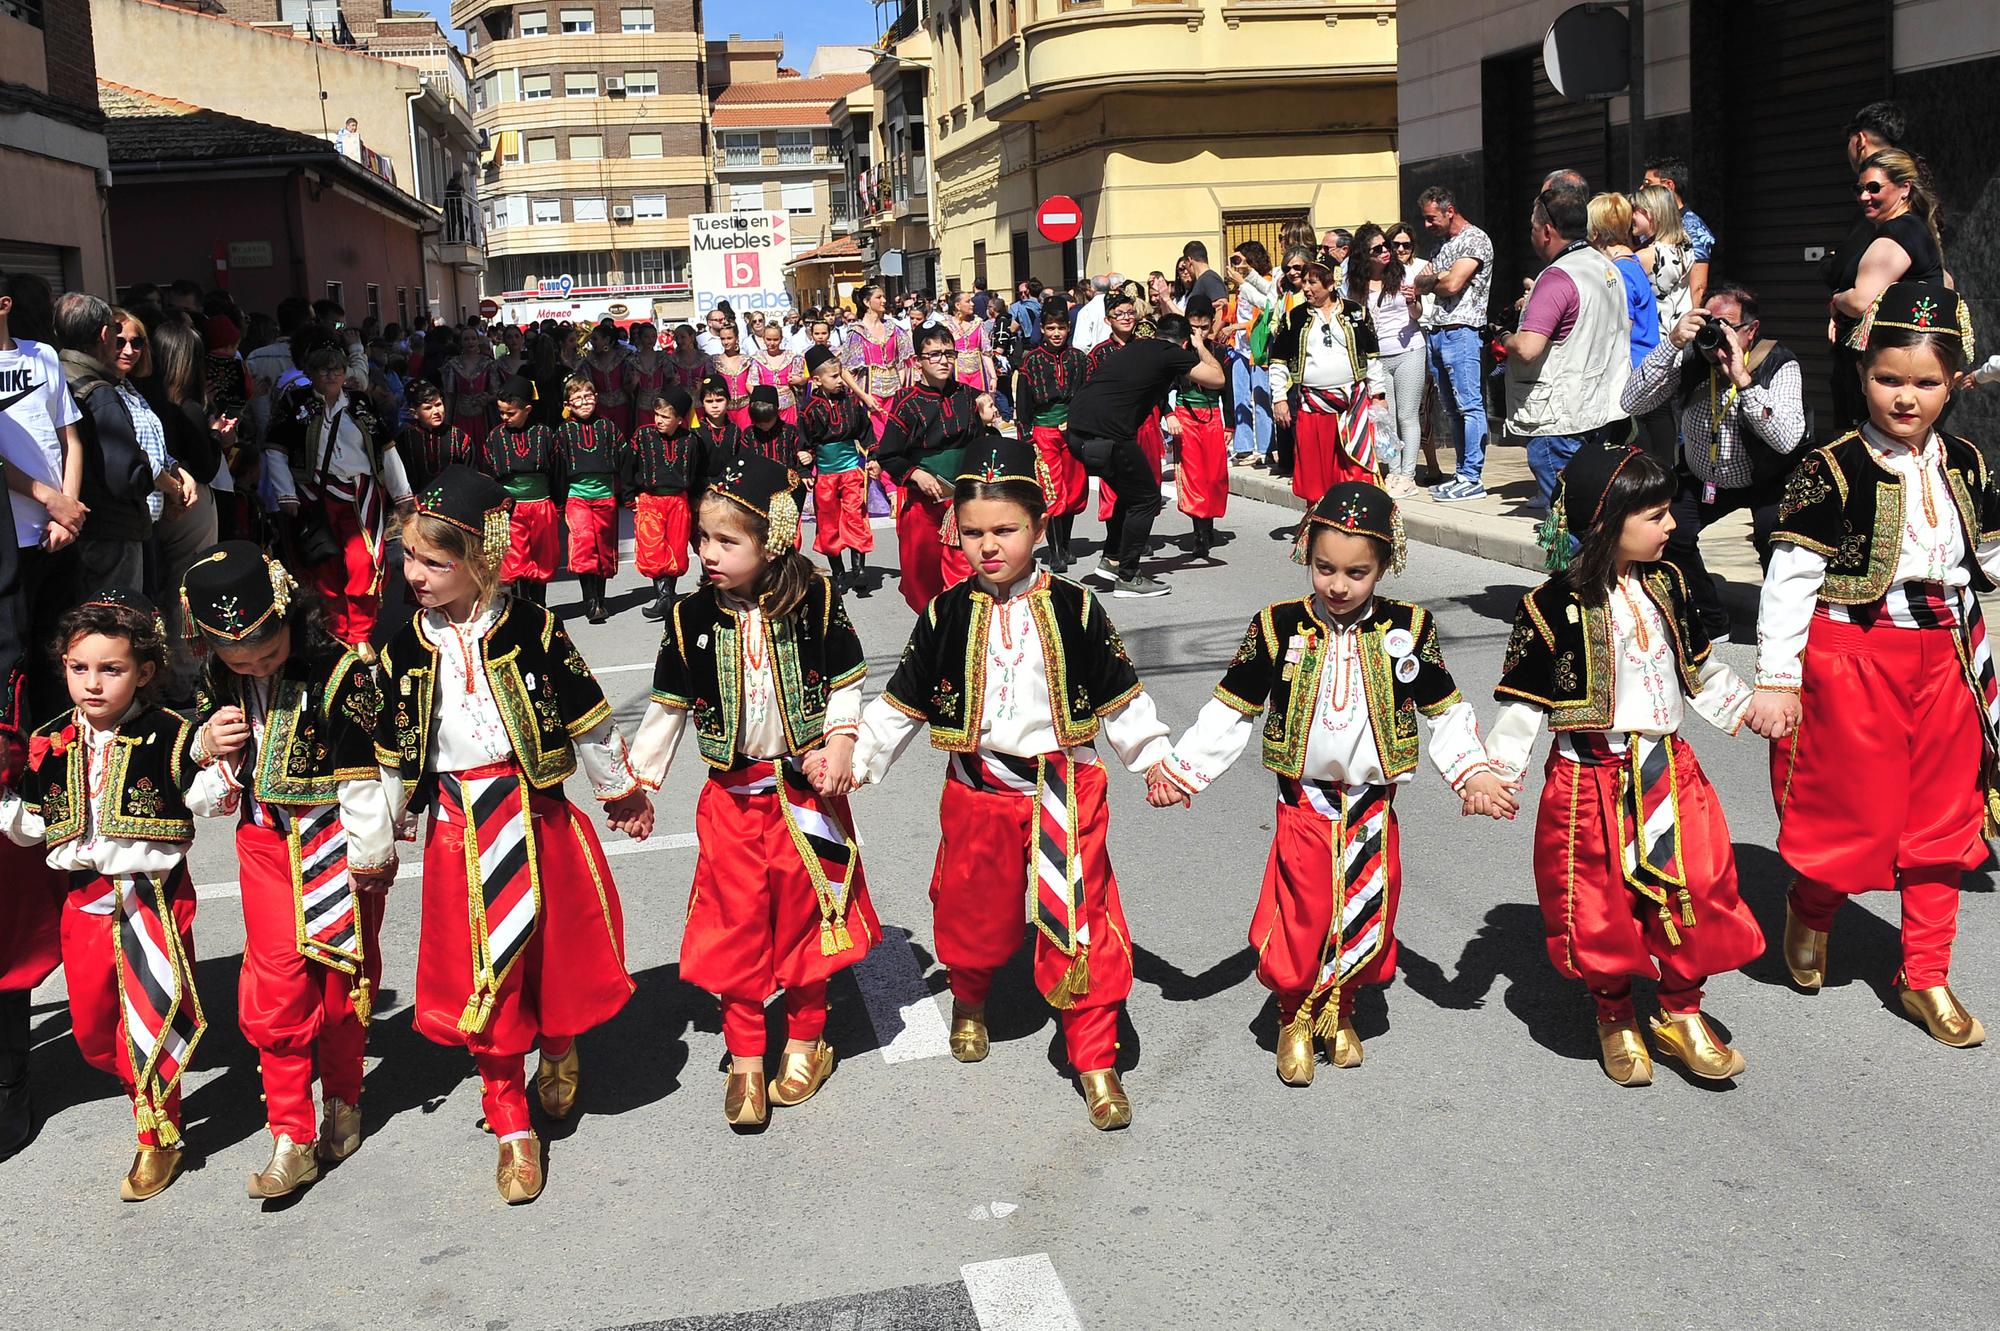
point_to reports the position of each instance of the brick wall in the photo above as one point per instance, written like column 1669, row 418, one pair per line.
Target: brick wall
column 72, row 58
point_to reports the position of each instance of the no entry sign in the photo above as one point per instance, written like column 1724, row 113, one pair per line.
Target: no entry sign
column 1059, row 219
column 489, row 309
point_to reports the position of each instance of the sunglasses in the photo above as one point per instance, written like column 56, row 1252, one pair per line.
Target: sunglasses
column 134, row 342
column 1295, row 268
column 1402, row 244
column 1871, row 187
column 1378, row 249
column 936, row 355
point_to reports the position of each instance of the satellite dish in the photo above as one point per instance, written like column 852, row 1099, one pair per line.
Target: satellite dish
column 1588, row 53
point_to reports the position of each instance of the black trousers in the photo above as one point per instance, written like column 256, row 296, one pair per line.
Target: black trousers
column 1691, row 515
column 1121, row 462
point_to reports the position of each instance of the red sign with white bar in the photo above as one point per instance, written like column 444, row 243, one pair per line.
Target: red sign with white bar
column 1059, row 219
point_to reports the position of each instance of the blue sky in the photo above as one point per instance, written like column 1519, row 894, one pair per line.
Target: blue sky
column 804, row 23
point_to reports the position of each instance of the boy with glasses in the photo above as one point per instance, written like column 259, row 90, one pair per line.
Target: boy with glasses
column 924, row 440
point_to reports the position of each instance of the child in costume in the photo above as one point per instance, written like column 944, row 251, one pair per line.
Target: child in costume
column 1201, row 453
column 762, row 659
column 487, row 710
column 587, row 450
column 1345, row 674
column 106, row 793
column 291, row 727
column 429, row 443
column 1873, row 664
column 653, row 474
column 1047, row 378
column 1016, row 673
column 1633, row 862
column 712, row 441
column 782, row 371
column 930, row 424
column 523, row 456
column 835, row 425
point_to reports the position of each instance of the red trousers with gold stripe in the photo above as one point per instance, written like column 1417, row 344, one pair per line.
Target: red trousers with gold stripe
column 840, row 512
column 90, row 969
column 593, row 536
column 1201, row 476
column 753, row 925
column 928, row 564
column 31, row 911
column 1602, row 932
column 978, row 907
column 1070, row 482
column 294, row 1010
column 660, row 535
column 532, row 548
column 349, row 584
column 1891, row 706
column 1295, row 910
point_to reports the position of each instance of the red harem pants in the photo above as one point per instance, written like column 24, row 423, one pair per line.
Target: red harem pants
column 979, row 908
column 90, row 969
column 350, row 583
column 1320, row 459
column 840, row 512
column 1890, row 707
column 753, row 918
column 929, row 565
column 570, row 975
column 531, row 543
column 1153, row 444
column 660, row 535
column 1597, row 928
column 289, row 1006
column 1295, row 910
column 1201, row 476
column 593, row 536
column 1069, row 482
column 31, row 912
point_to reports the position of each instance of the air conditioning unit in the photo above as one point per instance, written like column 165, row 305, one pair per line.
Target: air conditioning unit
column 621, row 212
column 614, row 86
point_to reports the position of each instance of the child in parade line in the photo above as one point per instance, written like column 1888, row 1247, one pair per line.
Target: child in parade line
column 429, row 443
column 713, row 443
column 1344, row 674
column 31, row 912
column 1633, row 862
column 930, row 424
column 764, row 662
column 487, row 710
column 1049, row 374
column 106, row 794
column 587, row 449
column 653, row 474
column 835, row 425
column 1016, row 673
column 780, row 370
column 291, row 727
column 1201, row 453
column 1873, row 661
column 523, row 457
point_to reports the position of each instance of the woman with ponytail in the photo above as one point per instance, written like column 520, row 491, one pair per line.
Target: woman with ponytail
column 1898, row 200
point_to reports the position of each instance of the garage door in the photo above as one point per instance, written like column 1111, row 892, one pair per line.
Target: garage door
column 44, row 261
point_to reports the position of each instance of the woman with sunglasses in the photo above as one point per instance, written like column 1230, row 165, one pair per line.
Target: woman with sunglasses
column 1383, row 283
column 1897, row 201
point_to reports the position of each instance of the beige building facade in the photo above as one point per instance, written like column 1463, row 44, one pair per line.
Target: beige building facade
column 53, row 215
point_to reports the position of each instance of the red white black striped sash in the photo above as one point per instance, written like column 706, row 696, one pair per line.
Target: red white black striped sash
column 502, row 876
column 825, row 844
column 1651, row 853
column 1357, row 419
column 1907, row 605
column 1975, row 656
column 1360, row 883
column 371, row 509
column 1055, row 859
column 329, row 910
column 162, row 1013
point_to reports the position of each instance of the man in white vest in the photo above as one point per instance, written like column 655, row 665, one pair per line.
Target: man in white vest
column 1568, row 363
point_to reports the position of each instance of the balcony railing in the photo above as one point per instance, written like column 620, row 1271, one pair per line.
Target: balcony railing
column 800, row 154
column 462, row 224
column 740, row 156
column 750, row 156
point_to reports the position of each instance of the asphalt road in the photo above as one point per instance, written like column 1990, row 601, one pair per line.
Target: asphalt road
column 1477, row 1169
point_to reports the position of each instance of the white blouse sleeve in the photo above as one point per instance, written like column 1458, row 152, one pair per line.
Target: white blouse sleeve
column 1792, row 583
column 22, row 826
column 278, row 474
column 395, row 477
column 1216, row 740
column 1512, row 740
column 1723, row 696
column 886, row 730
column 371, row 830
column 659, row 737
column 216, row 792
column 843, row 709
column 1455, row 746
column 1137, row 734
column 606, row 760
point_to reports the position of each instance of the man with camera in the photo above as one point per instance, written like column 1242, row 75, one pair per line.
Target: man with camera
column 1741, row 407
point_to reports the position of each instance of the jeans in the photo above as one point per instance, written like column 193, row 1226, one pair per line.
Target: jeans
column 1454, row 354
column 1404, row 378
column 1250, row 406
column 1124, row 464
column 1548, row 454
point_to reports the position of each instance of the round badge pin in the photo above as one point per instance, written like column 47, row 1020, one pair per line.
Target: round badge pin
column 1398, row 642
column 1406, row 669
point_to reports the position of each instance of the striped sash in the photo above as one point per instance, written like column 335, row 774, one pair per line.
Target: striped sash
column 502, row 875
column 1648, row 812
column 1907, row 605
column 1359, row 928
column 825, row 844
column 1975, row 655
column 162, row 1012
column 328, row 908
column 1357, row 419
column 1055, row 861
column 371, row 512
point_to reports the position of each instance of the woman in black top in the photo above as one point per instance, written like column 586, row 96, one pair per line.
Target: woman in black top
column 1902, row 214
column 176, row 392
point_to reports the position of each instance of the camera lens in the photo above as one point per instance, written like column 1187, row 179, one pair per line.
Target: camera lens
column 1709, row 336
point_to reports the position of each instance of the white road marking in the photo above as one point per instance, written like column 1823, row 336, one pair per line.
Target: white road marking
column 901, row 1008
column 1019, row 1294
column 413, row 866
column 621, row 669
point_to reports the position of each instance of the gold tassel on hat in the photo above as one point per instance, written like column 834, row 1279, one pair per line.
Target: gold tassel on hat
column 783, row 520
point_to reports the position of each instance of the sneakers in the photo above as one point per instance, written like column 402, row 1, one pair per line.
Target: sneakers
column 1401, row 487
column 1456, row 490
column 1106, row 570
column 1140, row 584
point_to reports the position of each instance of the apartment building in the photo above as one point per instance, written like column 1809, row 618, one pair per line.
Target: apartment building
column 893, row 192
column 52, row 146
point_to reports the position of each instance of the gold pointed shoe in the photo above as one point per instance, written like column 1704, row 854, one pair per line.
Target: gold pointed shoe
column 968, row 1033
column 556, row 1082
column 745, row 1100
column 1104, row 1094
column 520, row 1176
column 293, row 1165
column 1688, row 1038
column 1296, row 1054
column 153, row 1168
column 339, row 1130
column 1943, row 1016
column 1805, row 953
column 1626, row 1060
column 801, row 1072
column 1343, row 1047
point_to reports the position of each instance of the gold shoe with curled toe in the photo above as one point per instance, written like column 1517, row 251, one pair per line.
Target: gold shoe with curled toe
column 1343, row 1047
column 1943, row 1016
column 968, row 1032
column 520, row 1174
column 1805, row 953
column 1688, row 1037
column 801, row 1072
column 340, row 1129
column 745, row 1100
column 556, row 1083
column 293, row 1165
column 1296, row 1054
column 1626, row 1059
column 1105, row 1096
column 153, row 1168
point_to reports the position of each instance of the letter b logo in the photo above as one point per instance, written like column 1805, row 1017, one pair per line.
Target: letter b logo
column 741, row 270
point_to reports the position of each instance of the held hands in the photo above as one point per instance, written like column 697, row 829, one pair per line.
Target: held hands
column 830, row 767
column 1485, row 793
column 1163, row 792
column 373, row 880
column 225, row 734
column 631, row 814
column 1773, row 713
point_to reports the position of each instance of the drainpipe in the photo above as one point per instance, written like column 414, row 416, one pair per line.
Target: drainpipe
column 417, row 187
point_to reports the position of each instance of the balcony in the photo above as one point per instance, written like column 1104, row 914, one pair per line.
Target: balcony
column 747, row 158
column 462, row 242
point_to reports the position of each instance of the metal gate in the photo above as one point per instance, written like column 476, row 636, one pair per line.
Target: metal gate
column 1266, row 228
column 44, row 261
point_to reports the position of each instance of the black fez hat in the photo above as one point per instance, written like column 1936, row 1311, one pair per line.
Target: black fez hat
column 1587, row 479
column 816, row 357
column 1002, row 457
column 765, row 488
column 472, row 502
column 233, row 591
column 517, row 389
column 676, row 397
column 716, row 384
column 1917, row 307
column 124, row 598
column 1358, row 508
column 767, row 394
